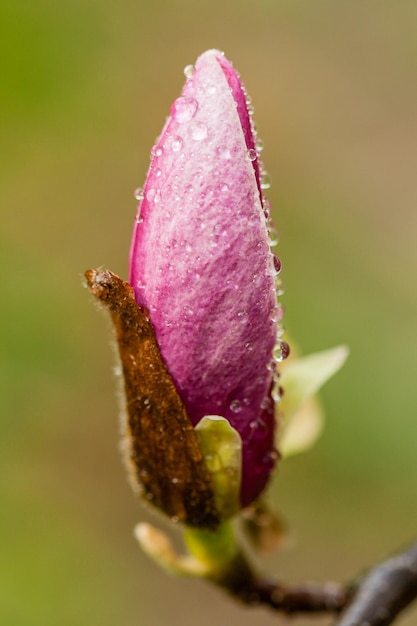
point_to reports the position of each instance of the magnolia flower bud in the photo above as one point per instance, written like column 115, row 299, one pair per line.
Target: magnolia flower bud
column 201, row 263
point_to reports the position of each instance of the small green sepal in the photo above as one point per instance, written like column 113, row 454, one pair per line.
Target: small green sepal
column 302, row 415
column 221, row 446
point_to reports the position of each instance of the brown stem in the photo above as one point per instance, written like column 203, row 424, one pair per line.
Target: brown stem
column 384, row 591
column 245, row 585
column 374, row 600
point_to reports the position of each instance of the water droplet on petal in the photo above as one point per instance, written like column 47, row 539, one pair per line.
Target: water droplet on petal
column 277, row 265
column 266, row 205
column 277, row 313
column 138, row 193
column 280, row 351
column 211, row 89
column 279, row 287
column 271, row 365
column 198, row 131
column 275, row 393
column 183, row 109
column 257, row 279
column 252, row 155
column 188, row 312
column 266, row 404
column 223, row 152
column 270, row 457
column 188, row 71
column 153, row 195
column 242, row 316
column 273, row 236
column 223, row 187
column 235, row 406
column 175, row 143
column 265, row 180
column 262, row 246
column 259, row 145
column 156, row 151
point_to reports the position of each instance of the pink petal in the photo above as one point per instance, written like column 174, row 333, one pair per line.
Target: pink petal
column 202, row 266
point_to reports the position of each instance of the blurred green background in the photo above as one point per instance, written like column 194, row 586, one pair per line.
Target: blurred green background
column 85, row 88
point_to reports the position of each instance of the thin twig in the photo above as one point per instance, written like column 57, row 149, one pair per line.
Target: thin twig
column 384, row 591
column 244, row 584
column 374, row 600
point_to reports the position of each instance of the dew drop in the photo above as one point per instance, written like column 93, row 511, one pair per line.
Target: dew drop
column 156, row 151
column 257, row 279
column 271, row 365
column 265, row 180
column 158, row 172
column 211, row 90
column 223, row 187
column 266, row 205
column 266, row 404
column 279, row 287
column 198, row 131
column 270, row 457
column 262, row 246
column 153, row 195
column 252, row 155
column 188, row 312
column 251, row 109
column 139, row 219
column 176, row 143
column 259, row 145
column 138, row 193
column 273, row 236
column 275, row 393
column 277, row 313
column 280, row 332
column 188, row 71
column 277, row 265
column 280, row 351
column 242, row 316
column 235, row 406
column 223, row 152
column 183, row 109
column 249, row 346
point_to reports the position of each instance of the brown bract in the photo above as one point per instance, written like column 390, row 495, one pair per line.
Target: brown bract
column 162, row 447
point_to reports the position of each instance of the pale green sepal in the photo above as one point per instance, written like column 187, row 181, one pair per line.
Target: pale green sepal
column 213, row 549
column 221, row 446
column 158, row 547
column 304, row 429
column 210, row 552
column 302, row 416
